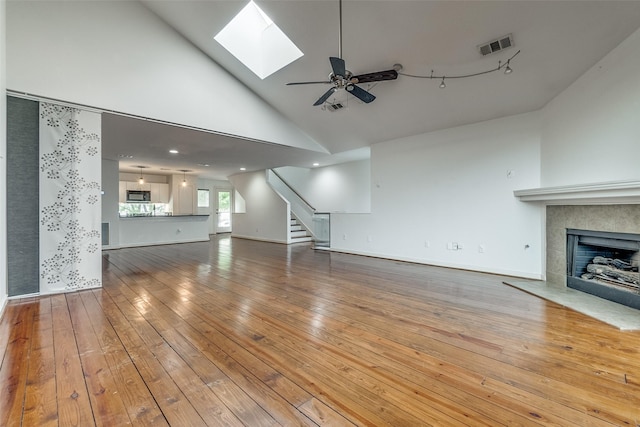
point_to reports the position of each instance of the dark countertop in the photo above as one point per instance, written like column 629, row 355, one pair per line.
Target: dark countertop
column 160, row 216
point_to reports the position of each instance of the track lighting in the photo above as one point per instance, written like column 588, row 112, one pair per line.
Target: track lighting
column 508, row 69
column 501, row 66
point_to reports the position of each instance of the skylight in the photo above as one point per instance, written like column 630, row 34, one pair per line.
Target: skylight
column 257, row 42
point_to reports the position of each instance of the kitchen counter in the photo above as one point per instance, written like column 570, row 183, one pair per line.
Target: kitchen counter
column 159, row 216
column 162, row 230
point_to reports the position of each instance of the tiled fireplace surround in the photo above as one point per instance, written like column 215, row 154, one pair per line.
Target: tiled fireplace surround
column 623, row 218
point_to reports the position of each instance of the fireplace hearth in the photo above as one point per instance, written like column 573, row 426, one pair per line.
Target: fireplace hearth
column 604, row 264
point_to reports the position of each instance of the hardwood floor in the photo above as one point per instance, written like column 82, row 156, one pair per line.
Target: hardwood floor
column 238, row 332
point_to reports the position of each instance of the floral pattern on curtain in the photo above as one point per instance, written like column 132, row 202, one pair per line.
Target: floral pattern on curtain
column 70, row 199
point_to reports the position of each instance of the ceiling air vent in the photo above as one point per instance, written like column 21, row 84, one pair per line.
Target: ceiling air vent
column 496, row 45
column 334, row 107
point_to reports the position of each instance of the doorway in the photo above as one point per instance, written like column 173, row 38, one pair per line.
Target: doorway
column 223, row 211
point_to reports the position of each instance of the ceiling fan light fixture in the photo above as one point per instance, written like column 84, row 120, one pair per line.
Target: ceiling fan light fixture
column 341, row 78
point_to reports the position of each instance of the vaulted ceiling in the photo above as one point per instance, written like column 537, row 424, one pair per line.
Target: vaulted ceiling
column 558, row 41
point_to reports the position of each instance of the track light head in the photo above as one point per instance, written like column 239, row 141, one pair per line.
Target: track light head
column 508, row 69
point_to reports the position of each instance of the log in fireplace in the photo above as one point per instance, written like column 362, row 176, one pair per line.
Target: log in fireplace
column 604, row 264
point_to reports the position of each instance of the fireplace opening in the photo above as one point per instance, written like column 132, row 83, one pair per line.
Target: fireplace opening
column 604, row 264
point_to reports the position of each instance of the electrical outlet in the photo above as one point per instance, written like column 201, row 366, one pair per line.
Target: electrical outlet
column 481, row 249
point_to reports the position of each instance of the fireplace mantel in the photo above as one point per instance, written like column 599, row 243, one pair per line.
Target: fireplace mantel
column 603, row 193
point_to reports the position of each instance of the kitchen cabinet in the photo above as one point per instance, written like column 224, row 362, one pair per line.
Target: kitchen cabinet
column 159, row 192
column 184, row 205
column 122, row 192
column 134, row 185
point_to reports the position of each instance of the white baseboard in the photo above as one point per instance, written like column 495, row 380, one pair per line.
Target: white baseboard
column 168, row 242
column 32, row 295
column 3, row 305
column 499, row 271
column 260, row 239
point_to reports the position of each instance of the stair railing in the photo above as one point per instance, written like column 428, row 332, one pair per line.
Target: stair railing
column 317, row 223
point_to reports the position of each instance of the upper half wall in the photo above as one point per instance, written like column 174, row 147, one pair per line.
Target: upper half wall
column 118, row 55
column 591, row 131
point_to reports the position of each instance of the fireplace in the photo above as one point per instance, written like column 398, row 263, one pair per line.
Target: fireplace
column 604, row 264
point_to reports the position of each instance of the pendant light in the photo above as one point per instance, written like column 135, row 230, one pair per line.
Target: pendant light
column 184, row 176
column 141, row 180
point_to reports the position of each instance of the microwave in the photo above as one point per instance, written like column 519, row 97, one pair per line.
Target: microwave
column 138, row 196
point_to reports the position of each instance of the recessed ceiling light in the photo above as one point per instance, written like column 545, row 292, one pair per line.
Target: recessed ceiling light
column 243, row 169
column 256, row 41
column 125, row 156
column 204, row 164
column 316, row 164
column 173, row 151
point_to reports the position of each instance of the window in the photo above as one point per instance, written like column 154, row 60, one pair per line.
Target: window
column 203, row 198
column 256, row 41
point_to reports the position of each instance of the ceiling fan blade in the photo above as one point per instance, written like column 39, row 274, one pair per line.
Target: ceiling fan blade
column 308, row 83
column 360, row 93
column 375, row 77
column 337, row 65
column 324, row 97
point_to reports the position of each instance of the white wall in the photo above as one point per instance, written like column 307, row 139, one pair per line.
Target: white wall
column 117, row 55
column 266, row 213
column 110, row 180
column 591, row 131
column 338, row 188
column 450, row 186
column 3, row 159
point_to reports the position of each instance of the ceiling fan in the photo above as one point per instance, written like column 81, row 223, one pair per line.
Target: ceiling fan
column 341, row 78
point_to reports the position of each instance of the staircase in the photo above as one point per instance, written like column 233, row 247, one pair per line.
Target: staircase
column 297, row 232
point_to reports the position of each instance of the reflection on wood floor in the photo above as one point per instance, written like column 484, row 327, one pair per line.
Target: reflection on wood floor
column 239, row 332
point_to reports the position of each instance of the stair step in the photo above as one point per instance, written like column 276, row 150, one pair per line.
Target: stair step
column 301, row 239
column 297, row 232
column 300, row 233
